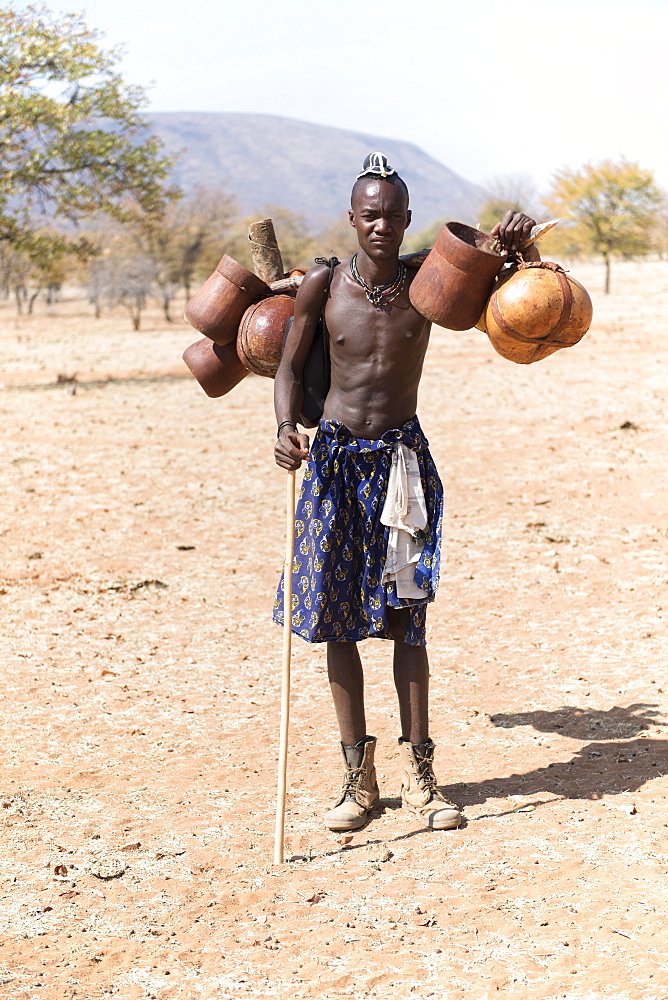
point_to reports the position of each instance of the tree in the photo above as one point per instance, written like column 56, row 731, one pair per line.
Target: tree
column 122, row 275
column 660, row 231
column 297, row 242
column 511, row 191
column 72, row 140
column 38, row 262
column 338, row 238
column 609, row 209
column 187, row 236
column 508, row 192
column 424, row 238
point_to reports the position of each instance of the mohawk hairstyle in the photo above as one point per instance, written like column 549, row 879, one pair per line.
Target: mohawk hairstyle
column 376, row 165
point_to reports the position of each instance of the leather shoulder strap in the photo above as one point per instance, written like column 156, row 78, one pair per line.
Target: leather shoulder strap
column 331, row 262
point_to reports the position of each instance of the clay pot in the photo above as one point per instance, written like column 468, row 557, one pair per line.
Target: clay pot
column 455, row 281
column 535, row 310
column 261, row 334
column 216, row 368
column 216, row 309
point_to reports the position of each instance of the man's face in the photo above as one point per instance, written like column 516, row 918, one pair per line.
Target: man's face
column 380, row 214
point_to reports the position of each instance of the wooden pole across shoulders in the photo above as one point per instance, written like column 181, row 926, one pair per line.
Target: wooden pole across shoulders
column 279, row 835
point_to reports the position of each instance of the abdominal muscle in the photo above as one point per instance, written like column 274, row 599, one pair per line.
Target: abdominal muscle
column 376, row 360
column 372, row 396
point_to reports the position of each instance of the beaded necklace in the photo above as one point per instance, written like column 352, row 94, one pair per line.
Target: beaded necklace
column 377, row 293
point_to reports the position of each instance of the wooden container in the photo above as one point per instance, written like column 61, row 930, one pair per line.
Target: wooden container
column 535, row 310
column 261, row 334
column 455, row 281
column 216, row 309
column 216, row 368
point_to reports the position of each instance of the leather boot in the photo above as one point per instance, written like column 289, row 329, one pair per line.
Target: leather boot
column 418, row 787
column 360, row 790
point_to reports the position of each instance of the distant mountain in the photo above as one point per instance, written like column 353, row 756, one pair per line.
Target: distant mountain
column 266, row 160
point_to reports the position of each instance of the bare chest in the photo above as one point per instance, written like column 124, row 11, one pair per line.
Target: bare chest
column 358, row 329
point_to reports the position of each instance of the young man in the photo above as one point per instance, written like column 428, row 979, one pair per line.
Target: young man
column 368, row 519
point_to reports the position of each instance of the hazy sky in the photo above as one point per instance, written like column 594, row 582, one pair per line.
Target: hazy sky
column 488, row 88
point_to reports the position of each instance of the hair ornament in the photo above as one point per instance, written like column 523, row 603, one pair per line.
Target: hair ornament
column 376, row 165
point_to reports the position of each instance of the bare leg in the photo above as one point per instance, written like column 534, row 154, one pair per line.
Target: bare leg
column 347, row 685
column 360, row 788
column 418, row 786
column 411, row 679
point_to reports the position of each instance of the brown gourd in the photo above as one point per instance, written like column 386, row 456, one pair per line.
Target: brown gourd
column 455, row 281
column 216, row 368
column 535, row 309
column 217, row 307
column 261, row 334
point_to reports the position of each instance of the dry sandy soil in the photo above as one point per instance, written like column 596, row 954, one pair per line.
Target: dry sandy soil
column 141, row 529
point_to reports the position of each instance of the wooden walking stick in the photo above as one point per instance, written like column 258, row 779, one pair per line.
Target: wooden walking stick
column 279, row 834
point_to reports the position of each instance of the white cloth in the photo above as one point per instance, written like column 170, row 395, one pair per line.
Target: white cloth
column 405, row 513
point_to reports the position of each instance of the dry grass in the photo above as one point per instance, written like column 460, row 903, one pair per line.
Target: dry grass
column 141, row 527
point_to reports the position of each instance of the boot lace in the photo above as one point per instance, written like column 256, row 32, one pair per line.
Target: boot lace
column 427, row 780
column 352, row 780
column 425, row 774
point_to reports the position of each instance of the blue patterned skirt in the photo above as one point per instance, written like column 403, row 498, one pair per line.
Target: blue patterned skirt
column 340, row 543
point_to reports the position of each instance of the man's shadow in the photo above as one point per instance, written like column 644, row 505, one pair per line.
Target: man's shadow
column 611, row 764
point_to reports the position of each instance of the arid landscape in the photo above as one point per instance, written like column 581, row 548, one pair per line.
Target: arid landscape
column 142, row 539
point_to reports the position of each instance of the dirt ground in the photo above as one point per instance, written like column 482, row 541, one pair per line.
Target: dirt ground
column 142, row 539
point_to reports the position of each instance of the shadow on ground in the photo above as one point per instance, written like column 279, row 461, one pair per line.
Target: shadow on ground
column 613, row 723
column 612, row 764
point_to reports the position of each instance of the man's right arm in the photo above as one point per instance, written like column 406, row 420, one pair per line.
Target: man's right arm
column 292, row 447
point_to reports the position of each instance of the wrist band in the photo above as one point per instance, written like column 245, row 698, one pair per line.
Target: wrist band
column 285, row 423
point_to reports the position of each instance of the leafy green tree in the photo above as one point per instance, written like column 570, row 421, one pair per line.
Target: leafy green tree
column 609, row 209
column 72, row 140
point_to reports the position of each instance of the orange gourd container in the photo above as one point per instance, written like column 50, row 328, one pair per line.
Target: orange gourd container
column 535, row 309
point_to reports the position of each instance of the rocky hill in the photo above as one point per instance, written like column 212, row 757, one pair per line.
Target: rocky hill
column 267, row 160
